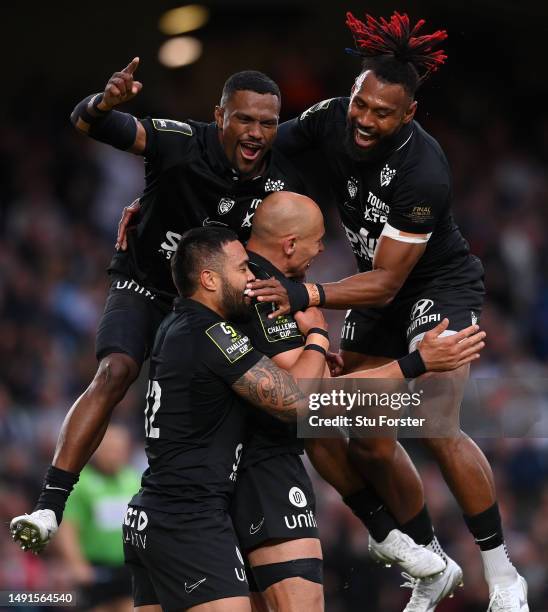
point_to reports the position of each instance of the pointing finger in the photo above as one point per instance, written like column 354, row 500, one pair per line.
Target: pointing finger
column 132, row 66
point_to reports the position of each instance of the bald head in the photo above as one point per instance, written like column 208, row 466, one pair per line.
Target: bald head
column 288, row 230
column 283, row 213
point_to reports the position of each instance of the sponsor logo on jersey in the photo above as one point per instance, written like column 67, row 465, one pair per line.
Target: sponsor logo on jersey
column 169, row 245
column 362, row 245
column 297, row 497
column 317, row 107
column 473, row 317
column 387, row 174
column 420, row 316
column 131, row 285
column 168, row 125
column 236, row 464
column 280, row 328
column 352, row 186
column 305, row 519
column 376, row 210
column 225, row 205
column 232, row 344
column 249, row 214
column 272, row 185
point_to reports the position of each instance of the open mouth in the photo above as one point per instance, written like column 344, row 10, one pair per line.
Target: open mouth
column 363, row 138
column 250, row 151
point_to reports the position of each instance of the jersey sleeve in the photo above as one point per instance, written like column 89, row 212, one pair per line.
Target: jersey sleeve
column 306, row 131
column 417, row 203
column 228, row 352
column 168, row 143
column 272, row 336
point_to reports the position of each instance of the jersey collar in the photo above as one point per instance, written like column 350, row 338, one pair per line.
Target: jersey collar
column 264, row 265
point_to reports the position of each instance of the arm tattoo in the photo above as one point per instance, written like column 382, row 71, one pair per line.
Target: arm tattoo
column 272, row 389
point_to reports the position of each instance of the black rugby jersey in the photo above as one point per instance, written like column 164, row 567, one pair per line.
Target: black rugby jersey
column 194, row 421
column 267, row 435
column 190, row 183
column 408, row 187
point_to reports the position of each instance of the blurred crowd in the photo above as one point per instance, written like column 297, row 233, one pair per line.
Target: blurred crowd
column 60, row 198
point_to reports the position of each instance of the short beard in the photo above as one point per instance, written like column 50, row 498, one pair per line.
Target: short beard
column 352, row 150
column 233, row 305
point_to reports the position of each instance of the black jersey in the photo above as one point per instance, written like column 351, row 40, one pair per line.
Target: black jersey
column 190, row 183
column 194, row 421
column 408, row 188
column 267, row 435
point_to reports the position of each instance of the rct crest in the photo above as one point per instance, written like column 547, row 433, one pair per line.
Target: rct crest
column 387, row 174
column 225, row 204
column 352, row 187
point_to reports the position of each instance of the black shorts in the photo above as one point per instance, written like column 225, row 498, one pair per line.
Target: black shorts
column 395, row 330
column 274, row 499
column 182, row 560
column 130, row 320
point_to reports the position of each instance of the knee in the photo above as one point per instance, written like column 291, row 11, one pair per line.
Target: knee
column 115, row 374
column 444, row 446
column 378, row 452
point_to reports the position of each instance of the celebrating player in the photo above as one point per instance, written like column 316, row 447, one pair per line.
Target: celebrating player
column 196, row 174
column 393, row 190
column 274, row 507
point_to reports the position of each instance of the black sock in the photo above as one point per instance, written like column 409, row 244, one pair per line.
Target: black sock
column 486, row 528
column 371, row 511
column 57, row 486
column 419, row 528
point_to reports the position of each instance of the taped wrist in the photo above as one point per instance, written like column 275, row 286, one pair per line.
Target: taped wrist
column 111, row 127
column 412, row 365
column 318, row 330
column 315, row 347
column 56, row 489
column 297, row 295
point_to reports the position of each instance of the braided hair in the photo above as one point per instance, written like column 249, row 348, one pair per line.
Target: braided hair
column 394, row 51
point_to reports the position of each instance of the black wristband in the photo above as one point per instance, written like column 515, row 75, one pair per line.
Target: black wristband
column 321, row 291
column 316, row 347
column 95, row 101
column 412, row 365
column 318, row 330
column 56, row 489
column 296, row 294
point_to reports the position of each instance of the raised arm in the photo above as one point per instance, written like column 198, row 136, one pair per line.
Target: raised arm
column 95, row 117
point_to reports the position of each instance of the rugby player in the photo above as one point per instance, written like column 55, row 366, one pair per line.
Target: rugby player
column 179, row 541
column 274, row 509
column 196, row 174
column 393, row 190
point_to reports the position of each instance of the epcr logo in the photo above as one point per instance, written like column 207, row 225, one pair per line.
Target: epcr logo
column 421, row 308
column 297, row 497
column 229, row 330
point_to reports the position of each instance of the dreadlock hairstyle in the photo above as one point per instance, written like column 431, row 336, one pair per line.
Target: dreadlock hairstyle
column 393, row 50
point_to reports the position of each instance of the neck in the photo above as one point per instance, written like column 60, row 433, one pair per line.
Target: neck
column 272, row 253
column 208, row 299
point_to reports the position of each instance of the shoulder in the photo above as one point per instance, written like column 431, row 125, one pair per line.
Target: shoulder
column 329, row 110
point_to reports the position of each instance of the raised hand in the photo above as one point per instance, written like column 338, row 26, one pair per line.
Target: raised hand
column 121, row 87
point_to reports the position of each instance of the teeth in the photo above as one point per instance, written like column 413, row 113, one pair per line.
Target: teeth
column 364, row 132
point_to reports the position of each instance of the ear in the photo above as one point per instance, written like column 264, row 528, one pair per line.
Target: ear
column 410, row 112
column 209, row 280
column 219, row 117
column 288, row 245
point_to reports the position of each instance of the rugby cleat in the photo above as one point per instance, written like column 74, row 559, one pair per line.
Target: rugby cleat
column 428, row 592
column 415, row 560
column 512, row 598
column 34, row 531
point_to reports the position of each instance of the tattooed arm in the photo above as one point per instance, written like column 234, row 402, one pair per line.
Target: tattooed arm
column 268, row 387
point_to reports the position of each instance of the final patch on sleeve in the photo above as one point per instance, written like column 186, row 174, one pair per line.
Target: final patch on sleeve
column 280, row 328
column 168, row 125
column 421, row 214
column 232, row 344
